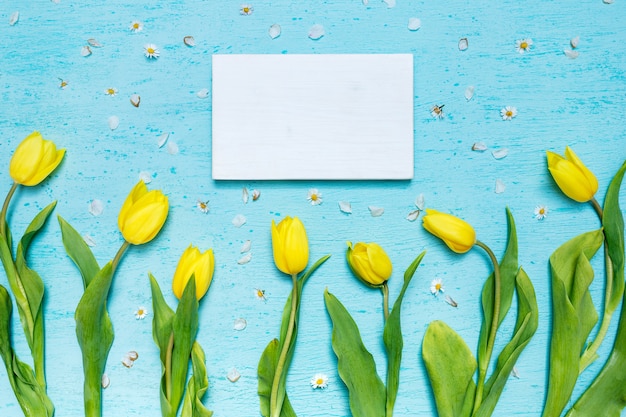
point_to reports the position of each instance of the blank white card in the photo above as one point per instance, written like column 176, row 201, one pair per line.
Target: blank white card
column 312, row 117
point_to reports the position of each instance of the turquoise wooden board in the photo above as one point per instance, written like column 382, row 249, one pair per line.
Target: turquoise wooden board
column 559, row 101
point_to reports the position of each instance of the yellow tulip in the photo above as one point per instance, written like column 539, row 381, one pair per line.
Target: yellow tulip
column 572, row 176
column 142, row 214
column 369, row 262
column 290, row 245
column 456, row 233
column 194, row 263
column 34, row 159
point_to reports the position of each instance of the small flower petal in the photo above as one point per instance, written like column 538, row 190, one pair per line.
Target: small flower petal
column 414, row 24
column 245, row 259
column 345, row 207
column 500, row 187
column 275, row 31
column 96, row 207
column 233, row 375
column 240, row 324
column 239, row 220
column 376, row 211
column 316, row 32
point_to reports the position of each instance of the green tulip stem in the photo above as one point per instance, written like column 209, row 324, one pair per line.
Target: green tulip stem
column 590, row 353
column 118, row 255
column 168, row 368
column 495, row 319
column 385, row 289
column 275, row 408
column 5, row 208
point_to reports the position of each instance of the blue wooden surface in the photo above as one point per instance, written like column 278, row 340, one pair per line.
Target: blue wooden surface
column 561, row 101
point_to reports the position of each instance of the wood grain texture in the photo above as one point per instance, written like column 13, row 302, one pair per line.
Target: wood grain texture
column 560, row 101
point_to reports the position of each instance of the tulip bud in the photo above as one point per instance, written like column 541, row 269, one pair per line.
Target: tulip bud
column 34, row 159
column 142, row 214
column 369, row 262
column 197, row 264
column 290, row 245
column 572, row 176
column 456, row 233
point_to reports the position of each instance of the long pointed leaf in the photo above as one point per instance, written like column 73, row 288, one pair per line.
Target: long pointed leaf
column 197, row 386
column 392, row 337
column 355, row 364
column 79, row 252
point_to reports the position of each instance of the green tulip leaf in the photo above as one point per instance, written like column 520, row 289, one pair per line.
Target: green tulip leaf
column 573, row 315
column 197, row 386
column 94, row 332
column 79, row 252
column 525, row 327
column 266, row 371
column 355, row 363
column 392, row 337
column 451, row 367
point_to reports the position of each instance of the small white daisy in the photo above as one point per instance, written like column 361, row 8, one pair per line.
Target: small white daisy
column 110, row 91
column 314, row 197
column 436, row 286
column 319, row 381
column 203, row 206
column 151, row 51
column 437, row 111
column 508, row 113
column 246, row 9
column 141, row 313
column 541, row 212
column 62, row 83
column 260, row 294
column 523, row 45
column 136, row 26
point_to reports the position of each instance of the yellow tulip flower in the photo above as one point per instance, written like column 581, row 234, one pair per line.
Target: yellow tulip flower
column 456, row 233
column 369, row 262
column 194, row 263
column 290, row 245
column 572, row 176
column 143, row 214
column 34, row 159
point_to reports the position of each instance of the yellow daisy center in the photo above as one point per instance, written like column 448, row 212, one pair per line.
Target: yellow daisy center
column 509, row 113
column 141, row 312
column 523, row 45
column 246, row 10
column 542, row 211
column 202, row 205
column 260, row 293
column 110, row 91
column 314, row 197
column 438, row 286
column 135, row 25
column 150, row 50
column 319, row 381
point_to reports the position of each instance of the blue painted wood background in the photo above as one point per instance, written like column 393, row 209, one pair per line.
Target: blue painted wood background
column 561, row 101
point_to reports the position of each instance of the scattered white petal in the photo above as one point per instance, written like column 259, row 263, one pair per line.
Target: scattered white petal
column 145, row 176
column 275, row 31
column 314, row 197
column 132, row 355
column 412, row 216
column 136, row 26
column 414, row 23
column 420, row 202
column 89, row 241
column 436, row 286
column 151, row 51
column 451, row 301
column 365, row 2
column 246, row 9
column 127, row 362
column 203, row 206
column 571, row 53
column 172, row 147
column 319, row 381
column 233, row 375
column 508, row 113
column 500, row 153
column 514, row 372
column 96, row 207
column 607, row 1
column 245, row 259
column 85, row 51
column 469, row 92
column 240, row 324
column 239, row 220
column 437, row 111
column 574, row 42
column 390, row 3
column 376, row 211
column 246, row 246
column 163, row 139
column 94, row 42
column 189, row 41
column 479, row 146
column 500, row 187
column 15, row 16
column 56, row 1
column 135, row 100
column 141, row 313
column 523, row 45
column 345, row 207
column 114, row 122
column 255, row 195
column 244, row 195
column 541, row 212
column 204, row 93
column 316, row 32
column 463, row 44
column 105, row 381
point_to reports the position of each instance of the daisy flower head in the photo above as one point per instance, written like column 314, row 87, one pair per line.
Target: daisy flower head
column 151, row 51
column 203, row 206
column 436, row 286
column 111, row 91
column 437, row 111
column 246, row 9
column 319, row 381
column 314, row 197
column 523, row 45
column 136, row 26
column 141, row 313
column 260, row 294
column 541, row 212
column 508, row 113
